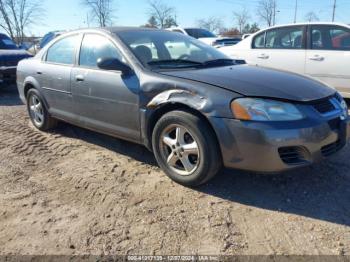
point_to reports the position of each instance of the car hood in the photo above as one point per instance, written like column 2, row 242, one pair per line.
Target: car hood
column 12, row 57
column 14, row 53
column 258, row 82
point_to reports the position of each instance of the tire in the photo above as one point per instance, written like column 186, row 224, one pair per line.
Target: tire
column 38, row 112
column 182, row 141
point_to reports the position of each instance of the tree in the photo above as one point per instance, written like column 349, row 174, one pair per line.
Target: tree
column 254, row 28
column 311, row 17
column 250, row 29
column 16, row 17
column 212, row 24
column 231, row 32
column 152, row 22
column 241, row 19
column 170, row 22
column 101, row 11
column 267, row 11
column 163, row 14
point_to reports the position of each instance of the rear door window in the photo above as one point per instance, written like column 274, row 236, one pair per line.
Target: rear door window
column 285, row 38
column 96, row 46
column 280, row 38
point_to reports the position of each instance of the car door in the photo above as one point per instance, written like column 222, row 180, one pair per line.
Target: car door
column 106, row 101
column 280, row 48
column 54, row 75
column 328, row 56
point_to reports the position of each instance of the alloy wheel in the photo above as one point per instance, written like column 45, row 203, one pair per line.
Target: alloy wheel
column 180, row 150
column 36, row 110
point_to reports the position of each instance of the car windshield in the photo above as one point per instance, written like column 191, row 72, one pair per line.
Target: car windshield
column 7, row 43
column 199, row 33
column 166, row 50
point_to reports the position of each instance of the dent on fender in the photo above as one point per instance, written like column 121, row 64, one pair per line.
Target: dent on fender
column 181, row 96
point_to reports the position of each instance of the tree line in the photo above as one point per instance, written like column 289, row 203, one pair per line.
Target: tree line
column 18, row 16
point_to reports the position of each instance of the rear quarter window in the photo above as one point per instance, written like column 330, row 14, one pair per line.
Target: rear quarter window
column 63, row 51
column 259, row 41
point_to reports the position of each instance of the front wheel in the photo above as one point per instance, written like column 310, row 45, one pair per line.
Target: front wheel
column 38, row 112
column 186, row 148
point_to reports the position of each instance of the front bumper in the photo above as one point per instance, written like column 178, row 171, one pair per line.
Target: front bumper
column 268, row 147
column 8, row 74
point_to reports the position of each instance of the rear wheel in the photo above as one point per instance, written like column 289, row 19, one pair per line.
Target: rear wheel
column 38, row 112
column 186, row 149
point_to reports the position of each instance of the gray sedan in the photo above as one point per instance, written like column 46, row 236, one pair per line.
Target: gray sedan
column 195, row 108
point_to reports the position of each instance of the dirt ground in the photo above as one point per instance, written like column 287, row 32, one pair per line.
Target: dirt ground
column 73, row 191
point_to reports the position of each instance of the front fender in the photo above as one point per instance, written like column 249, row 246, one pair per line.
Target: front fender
column 184, row 97
column 166, row 101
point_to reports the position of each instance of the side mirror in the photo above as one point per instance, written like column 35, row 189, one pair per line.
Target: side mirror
column 113, row 64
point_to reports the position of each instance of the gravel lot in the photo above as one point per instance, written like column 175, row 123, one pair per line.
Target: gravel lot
column 73, row 191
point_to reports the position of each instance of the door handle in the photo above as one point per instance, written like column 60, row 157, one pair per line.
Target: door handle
column 263, row 56
column 39, row 72
column 79, row 78
column 317, row 58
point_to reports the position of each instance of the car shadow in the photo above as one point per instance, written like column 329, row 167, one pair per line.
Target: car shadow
column 9, row 95
column 125, row 148
column 321, row 192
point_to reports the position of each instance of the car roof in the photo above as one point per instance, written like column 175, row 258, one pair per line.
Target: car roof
column 4, row 35
column 309, row 23
column 185, row 28
column 115, row 30
column 128, row 29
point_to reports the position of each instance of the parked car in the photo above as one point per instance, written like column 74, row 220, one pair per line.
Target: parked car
column 196, row 112
column 206, row 36
column 226, row 41
column 44, row 41
column 245, row 36
column 319, row 50
column 10, row 55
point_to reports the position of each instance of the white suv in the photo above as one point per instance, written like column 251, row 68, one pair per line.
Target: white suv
column 319, row 50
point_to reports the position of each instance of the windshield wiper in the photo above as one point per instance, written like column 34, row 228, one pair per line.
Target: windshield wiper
column 176, row 62
column 219, row 62
column 190, row 63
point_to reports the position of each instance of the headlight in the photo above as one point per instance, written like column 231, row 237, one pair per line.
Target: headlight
column 343, row 104
column 257, row 109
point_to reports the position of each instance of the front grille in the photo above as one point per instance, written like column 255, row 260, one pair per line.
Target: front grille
column 293, row 155
column 332, row 148
column 339, row 97
column 324, row 107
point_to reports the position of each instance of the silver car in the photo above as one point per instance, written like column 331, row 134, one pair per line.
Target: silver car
column 195, row 108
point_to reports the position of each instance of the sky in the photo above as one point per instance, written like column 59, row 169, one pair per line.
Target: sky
column 70, row 14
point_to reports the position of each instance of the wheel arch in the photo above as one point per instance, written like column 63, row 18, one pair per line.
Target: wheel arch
column 31, row 83
column 165, row 108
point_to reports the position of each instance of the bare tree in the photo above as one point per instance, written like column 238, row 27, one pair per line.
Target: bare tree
column 267, row 11
column 241, row 19
column 162, row 13
column 16, row 16
column 101, row 11
column 212, row 24
column 311, row 17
